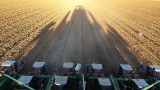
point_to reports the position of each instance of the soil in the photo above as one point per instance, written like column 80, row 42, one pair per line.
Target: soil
column 80, row 39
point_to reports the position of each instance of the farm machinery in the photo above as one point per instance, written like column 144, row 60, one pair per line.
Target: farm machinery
column 155, row 71
column 72, row 79
column 145, row 70
column 39, row 68
column 94, row 70
column 150, row 71
column 68, row 69
column 11, row 66
column 124, row 70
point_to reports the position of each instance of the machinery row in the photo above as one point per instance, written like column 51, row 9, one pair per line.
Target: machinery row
column 71, row 78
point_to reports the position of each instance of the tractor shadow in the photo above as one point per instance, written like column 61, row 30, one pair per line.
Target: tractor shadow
column 79, row 41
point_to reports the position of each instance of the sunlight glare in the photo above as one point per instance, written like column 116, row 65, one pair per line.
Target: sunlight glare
column 75, row 2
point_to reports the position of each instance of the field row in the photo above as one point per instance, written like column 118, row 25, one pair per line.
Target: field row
column 23, row 21
column 139, row 28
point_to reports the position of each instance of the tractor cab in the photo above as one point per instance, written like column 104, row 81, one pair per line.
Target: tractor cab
column 105, row 83
column 68, row 69
column 145, row 70
column 95, row 69
column 19, row 66
column 61, row 81
column 8, row 67
column 39, row 68
column 139, row 84
column 124, row 70
column 127, row 71
column 155, row 71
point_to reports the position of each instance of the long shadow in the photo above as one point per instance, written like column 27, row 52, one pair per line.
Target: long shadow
column 39, row 39
column 44, row 31
column 79, row 41
column 119, row 46
column 93, row 43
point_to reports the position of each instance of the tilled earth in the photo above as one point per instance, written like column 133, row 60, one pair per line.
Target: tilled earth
column 79, row 38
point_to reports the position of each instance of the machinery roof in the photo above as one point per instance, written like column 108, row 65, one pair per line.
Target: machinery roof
column 126, row 67
column 104, row 81
column 25, row 79
column 61, row 80
column 140, row 82
column 97, row 66
column 157, row 68
column 38, row 64
column 8, row 62
column 67, row 65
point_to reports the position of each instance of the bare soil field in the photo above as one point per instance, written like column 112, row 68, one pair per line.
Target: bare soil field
column 80, row 31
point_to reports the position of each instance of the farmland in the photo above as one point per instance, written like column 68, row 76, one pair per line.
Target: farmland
column 21, row 21
column 81, row 31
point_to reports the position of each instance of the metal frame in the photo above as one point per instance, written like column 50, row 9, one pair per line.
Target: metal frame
column 114, row 81
column 5, row 79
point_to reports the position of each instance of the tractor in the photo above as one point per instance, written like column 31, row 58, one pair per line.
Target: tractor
column 94, row 70
column 123, row 70
column 11, row 66
column 145, row 70
column 155, row 71
column 40, row 68
column 68, row 69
